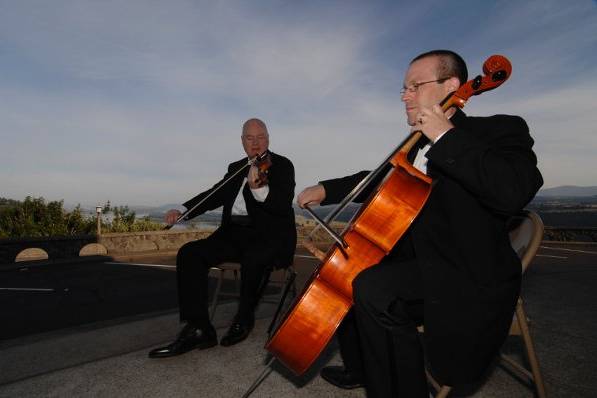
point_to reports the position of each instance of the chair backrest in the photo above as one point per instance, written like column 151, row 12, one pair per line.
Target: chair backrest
column 526, row 233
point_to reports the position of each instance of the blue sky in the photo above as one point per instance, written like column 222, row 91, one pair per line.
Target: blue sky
column 142, row 102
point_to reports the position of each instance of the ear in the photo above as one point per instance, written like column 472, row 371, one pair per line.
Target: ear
column 452, row 84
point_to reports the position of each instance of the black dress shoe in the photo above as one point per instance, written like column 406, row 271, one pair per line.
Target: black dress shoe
column 237, row 333
column 189, row 338
column 340, row 377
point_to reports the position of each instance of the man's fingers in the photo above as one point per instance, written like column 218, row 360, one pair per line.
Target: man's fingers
column 311, row 196
column 172, row 216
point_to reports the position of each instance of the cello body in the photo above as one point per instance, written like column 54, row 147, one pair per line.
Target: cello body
column 308, row 328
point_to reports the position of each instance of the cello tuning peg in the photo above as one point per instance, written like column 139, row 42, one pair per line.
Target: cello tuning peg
column 477, row 82
column 499, row 75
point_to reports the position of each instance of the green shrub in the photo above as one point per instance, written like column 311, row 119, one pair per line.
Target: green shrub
column 34, row 217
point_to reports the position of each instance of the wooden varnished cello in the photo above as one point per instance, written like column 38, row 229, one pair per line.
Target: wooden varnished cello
column 382, row 220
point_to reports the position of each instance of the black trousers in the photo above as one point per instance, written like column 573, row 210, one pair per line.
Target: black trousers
column 230, row 243
column 378, row 339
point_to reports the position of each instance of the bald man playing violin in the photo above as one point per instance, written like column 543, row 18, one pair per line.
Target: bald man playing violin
column 257, row 230
column 454, row 270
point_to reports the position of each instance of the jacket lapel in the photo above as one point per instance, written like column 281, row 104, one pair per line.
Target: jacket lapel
column 412, row 154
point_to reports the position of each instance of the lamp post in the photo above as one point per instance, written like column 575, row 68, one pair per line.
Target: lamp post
column 98, row 211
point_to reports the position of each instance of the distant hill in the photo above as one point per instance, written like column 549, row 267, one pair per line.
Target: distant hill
column 156, row 211
column 567, row 191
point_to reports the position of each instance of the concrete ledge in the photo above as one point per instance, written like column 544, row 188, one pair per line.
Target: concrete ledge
column 132, row 244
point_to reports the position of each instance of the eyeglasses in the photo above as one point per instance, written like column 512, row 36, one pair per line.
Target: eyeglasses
column 415, row 86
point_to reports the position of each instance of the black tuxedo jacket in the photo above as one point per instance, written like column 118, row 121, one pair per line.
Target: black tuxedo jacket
column 484, row 171
column 273, row 219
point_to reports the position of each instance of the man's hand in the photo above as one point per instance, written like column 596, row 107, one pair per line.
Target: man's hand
column 432, row 122
column 171, row 216
column 311, row 196
column 253, row 177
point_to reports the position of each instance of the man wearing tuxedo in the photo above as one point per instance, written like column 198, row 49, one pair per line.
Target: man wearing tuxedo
column 454, row 270
column 257, row 230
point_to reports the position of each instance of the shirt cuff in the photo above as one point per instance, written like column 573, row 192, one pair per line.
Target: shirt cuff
column 260, row 194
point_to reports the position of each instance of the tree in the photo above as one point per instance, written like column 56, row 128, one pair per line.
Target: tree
column 35, row 218
column 125, row 220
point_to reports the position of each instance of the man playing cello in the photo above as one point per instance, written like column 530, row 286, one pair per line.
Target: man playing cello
column 454, row 267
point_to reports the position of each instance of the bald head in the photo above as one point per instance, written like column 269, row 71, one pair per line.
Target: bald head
column 254, row 123
column 449, row 64
column 255, row 137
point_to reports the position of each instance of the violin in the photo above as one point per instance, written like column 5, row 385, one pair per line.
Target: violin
column 263, row 162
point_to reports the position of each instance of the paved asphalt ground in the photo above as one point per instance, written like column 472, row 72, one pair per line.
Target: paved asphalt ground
column 84, row 329
column 58, row 296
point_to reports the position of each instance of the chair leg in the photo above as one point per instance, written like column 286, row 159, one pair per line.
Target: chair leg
column 432, row 381
column 442, row 391
column 530, row 349
column 263, row 285
column 236, row 281
column 290, row 279
column 294, row 289
column 214, row 301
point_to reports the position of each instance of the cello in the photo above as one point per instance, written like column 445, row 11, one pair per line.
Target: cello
column 381, row 221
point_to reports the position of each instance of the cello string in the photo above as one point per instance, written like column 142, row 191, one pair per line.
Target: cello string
column 357, row 190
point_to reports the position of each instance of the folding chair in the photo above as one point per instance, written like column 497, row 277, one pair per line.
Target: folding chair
column 526, row 233
column 287, row 284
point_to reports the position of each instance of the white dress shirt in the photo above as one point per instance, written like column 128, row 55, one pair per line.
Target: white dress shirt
column 239, row 207
column 421, row 160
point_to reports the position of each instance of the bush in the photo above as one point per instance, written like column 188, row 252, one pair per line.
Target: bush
column 124, row 220
column 35, row 218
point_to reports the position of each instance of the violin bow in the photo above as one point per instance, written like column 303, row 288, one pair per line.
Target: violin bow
column 250, row 162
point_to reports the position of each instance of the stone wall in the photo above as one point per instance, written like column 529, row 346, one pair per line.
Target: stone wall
column 68, row 247
column 131, row 242
column 59, row 247
column 117, row 244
